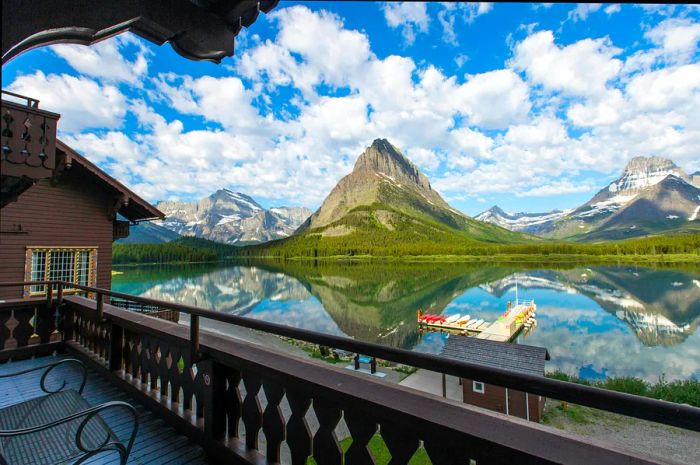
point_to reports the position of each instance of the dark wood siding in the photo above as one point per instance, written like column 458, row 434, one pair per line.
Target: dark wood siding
column 494, row 398
column 71, row 213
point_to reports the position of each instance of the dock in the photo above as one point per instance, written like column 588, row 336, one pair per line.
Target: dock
column 515, row 319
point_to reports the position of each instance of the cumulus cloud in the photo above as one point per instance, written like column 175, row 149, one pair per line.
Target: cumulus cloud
column 678, row 38
column 583, row 10
column 465, row 12
column 580, row 69
column 82, row 102
column 410, row 18
column 105, row 60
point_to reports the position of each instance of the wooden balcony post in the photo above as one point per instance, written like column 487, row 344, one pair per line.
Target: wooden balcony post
column 194, row 338
column 100, row 306
column 214, row 389
column 59, row 299
column 49, row 295
column 115, row 347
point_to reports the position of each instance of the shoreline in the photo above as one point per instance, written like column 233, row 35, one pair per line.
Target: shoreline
column 502, row 258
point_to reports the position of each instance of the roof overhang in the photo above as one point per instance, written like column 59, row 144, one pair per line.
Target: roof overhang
column 126, row 202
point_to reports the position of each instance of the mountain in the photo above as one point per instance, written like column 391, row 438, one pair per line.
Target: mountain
column 231, row 217
column 149, row 233
column 532, row 223
column 695, row 178
column 387, row 206
column 652, row 195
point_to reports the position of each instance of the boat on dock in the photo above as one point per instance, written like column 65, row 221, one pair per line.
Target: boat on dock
column 518, row 317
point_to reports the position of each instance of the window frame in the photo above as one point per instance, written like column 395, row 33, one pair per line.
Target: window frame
column 76, row 269
column 478, row 390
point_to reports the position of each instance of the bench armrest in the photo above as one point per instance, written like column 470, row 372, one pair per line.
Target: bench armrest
column 49, row 367
column 87, row 414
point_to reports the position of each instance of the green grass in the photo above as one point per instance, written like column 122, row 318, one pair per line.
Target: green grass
column 679, row 391
column 381, row 453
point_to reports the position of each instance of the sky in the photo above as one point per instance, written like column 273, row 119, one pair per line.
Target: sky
column 532, row 107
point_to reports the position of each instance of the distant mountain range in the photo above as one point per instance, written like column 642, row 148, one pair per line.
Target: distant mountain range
column 652, row 195
column 224, row 216
column 387, row 200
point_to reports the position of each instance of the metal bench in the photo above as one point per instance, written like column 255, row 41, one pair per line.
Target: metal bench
column 60, row 426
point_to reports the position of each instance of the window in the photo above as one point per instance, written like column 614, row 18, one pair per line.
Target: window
column 478, row 386
column 75, row 265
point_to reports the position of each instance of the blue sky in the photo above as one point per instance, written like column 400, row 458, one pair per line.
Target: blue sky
column 528, row 106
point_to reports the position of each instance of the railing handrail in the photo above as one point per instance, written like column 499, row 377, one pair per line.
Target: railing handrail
column 659, row 411
column 31, row 102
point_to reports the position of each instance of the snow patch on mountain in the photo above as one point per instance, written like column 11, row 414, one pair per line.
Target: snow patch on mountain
column 522, row 222
column 231, row 217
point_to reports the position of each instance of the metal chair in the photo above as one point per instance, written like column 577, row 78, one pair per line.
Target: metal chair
column 59, row 426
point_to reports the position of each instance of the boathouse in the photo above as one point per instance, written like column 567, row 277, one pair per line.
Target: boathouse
column 518, row 358
column 61, row 227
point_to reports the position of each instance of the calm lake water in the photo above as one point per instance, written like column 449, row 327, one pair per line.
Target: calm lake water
column 596, row 321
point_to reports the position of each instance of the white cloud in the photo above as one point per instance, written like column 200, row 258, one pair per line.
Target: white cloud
column 665, row 89
column 494, row 99
column 556, row 188
column 328, row 52
column 82, row 102
column 583, row 10
column 612, row 9
column 467, row 12
column 410, row 17
column 461, row 59
column 678, row 38
column 104, row 60
column 580, row 69
column 223, row 100
column 425, row 159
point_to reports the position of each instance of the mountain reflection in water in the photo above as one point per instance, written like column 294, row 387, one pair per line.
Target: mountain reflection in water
column 596, row 321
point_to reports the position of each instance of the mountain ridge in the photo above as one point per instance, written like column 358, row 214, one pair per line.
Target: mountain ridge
column 230, row 217
column 651, row 195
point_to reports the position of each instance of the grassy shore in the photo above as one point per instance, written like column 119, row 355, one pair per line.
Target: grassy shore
column 680, row 391
column 505, row 258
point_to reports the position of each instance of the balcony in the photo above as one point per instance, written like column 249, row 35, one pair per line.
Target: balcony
column 28, row 144
column 244, row 403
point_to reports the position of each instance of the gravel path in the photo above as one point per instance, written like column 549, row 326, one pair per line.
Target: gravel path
column 665, row 442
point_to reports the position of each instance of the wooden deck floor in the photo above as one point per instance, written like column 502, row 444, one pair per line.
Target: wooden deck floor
column 156, row 442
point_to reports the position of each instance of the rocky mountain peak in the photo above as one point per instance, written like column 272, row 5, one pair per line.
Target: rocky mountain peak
column 382, row 157
column 642, row 172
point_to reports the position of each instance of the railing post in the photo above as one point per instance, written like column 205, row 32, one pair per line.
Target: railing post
column 214, row 391
column 194, row 338
column 100, row 306
column 115, row 347
column 49, row 295
column 59, row 299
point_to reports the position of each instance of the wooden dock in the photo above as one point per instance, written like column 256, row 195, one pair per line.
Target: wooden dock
column 506, row 328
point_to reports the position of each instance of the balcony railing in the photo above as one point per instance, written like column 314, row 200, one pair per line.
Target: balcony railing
column 212, row 388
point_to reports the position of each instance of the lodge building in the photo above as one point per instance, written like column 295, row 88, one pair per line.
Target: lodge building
column 62, row 225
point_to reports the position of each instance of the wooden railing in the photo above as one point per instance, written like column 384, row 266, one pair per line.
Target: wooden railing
column 248, row 404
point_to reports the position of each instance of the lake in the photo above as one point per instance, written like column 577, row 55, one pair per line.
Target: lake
column 596, row 321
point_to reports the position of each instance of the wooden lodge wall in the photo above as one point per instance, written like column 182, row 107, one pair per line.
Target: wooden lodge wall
column 494, row 398
column 73, row 213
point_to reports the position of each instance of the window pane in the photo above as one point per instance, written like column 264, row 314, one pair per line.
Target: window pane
column 61, row 266
column 83, row 267
column 38, row 270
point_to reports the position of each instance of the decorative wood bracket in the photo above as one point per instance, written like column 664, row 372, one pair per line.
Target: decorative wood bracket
column 196, row 29
column 118, row 203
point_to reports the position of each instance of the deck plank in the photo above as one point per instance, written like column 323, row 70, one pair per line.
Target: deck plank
column 156, row 441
